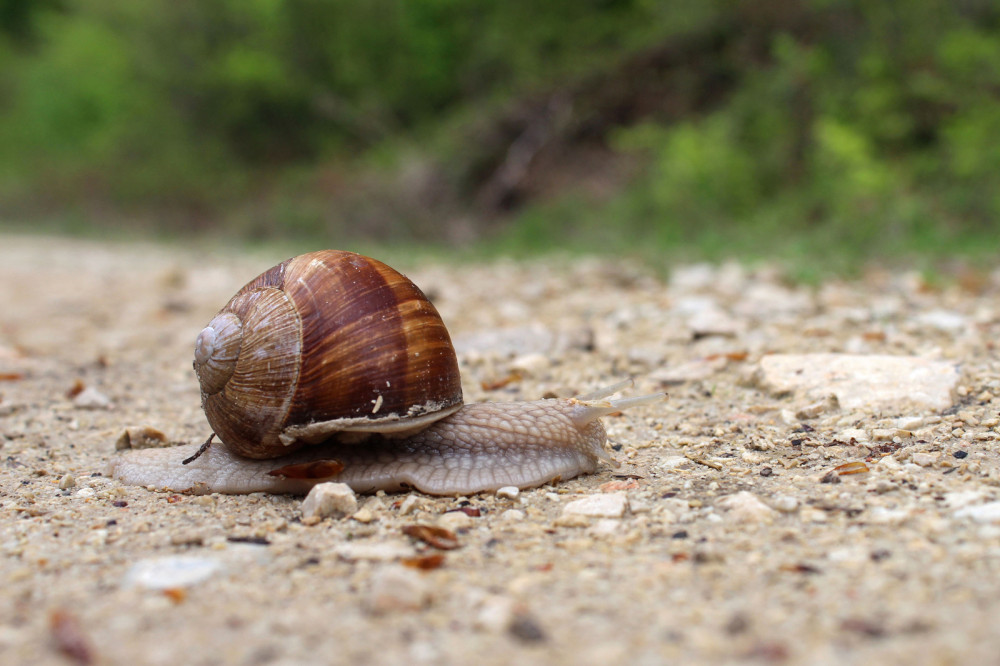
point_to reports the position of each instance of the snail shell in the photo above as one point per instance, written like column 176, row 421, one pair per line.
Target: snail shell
column 323, row 343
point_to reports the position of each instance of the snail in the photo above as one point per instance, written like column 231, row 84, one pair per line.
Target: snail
column 332, row 366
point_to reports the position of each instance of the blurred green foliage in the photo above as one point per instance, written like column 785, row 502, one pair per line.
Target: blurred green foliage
column 728, row 124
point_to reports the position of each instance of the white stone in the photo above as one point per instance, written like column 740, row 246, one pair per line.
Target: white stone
column 745, row 507
column 605, row 505
column 981, row 513
column 395, row 588
column 512, row 516
column 508, row 492
column 847, row 434
column 962, row 498
column 943, row 320
column 673, row 462
column 881, row 515
column 924, row 459
column 785, row 503
column 856, row 555
column 161, row 573
column 873, row 383
column 329, row 499
column 814, row 409
column 91, row 398
column 495, row 613
column 455, row 520
column 410, row 504
column 912, row 422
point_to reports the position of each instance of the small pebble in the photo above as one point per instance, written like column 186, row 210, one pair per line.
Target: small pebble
column 960, row 454
column 857, row 434
column 525, row 628
column 607, row 505
column 160, row 573
column 785, row 503
column 328, row 499
column 396, row 588
column 745, row 507
column 817, row 408
column 364, row 515
column 512, row 516
column 911, row 422
column 495, row 613
column 508, row 492
column 67, row 482
column 924, row 459
column 91, row 398
column 455, row 521
column 410, row 504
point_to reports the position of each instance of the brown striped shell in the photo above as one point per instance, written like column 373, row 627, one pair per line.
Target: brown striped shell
column 324, row 343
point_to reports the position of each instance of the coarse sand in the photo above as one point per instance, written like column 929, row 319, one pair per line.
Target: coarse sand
column 744, row 524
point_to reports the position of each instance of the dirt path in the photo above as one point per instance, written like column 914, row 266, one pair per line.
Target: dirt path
column 732, row 533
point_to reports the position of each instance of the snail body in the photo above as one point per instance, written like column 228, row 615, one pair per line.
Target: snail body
column 331, row 366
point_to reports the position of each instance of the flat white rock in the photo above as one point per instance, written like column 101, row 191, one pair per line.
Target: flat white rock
column 605, row 505
column 869, row 382
column 981, row 513
column 943, row 320
column 161, row 573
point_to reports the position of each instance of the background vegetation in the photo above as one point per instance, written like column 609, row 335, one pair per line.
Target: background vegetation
column 761, row 126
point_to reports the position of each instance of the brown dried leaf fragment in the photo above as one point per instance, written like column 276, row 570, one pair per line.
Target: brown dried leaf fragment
column 855, row 467
column 424, row 562
column 436, row 537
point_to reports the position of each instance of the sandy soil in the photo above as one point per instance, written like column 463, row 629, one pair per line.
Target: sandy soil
column 730, row 534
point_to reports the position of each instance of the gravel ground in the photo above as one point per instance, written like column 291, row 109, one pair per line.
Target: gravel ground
column 750, row 521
